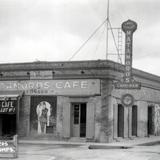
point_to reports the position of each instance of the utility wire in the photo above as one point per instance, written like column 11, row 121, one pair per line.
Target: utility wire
column 88, row 39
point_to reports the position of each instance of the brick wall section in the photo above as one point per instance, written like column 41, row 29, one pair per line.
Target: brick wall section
column 24, row 116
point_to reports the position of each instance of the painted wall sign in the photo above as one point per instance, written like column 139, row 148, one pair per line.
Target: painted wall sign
column 128, row 82
column 40, row 74
column 43, row 114
column 54, row 87
column 6, row 147
column 9, row 148
column 8, row 106
column 124, row 85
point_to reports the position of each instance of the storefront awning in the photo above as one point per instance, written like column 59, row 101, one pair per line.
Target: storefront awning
column 10, row 95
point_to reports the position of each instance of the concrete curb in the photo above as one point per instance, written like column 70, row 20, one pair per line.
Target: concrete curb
column 108, row 147
column 91, row 145
column 50, row 142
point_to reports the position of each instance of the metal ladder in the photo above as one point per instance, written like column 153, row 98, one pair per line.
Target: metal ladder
column 119, row 45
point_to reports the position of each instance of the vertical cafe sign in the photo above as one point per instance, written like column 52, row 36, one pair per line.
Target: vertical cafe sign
column 128, row 27
column 128, row 82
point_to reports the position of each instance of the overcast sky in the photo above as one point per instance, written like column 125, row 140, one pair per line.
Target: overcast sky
column 52, row 30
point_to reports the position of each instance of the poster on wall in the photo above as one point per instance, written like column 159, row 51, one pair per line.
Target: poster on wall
column 43, row 114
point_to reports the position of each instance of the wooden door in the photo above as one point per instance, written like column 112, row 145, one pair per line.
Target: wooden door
column 83, row 120
column 134, row 120
column 79, row 120
column 150, row 121
column 76, row 120
column 120, row 120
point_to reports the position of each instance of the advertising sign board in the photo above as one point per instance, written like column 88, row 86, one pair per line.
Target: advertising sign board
column 54, row 87
column 9, row 148
column 128, row 83
column 8, row 106
column 124, row 85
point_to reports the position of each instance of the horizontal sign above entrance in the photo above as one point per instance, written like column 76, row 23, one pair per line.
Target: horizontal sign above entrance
column 54, row 87
column 125, row 85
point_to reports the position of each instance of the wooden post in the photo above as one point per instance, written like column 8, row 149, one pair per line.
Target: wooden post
column 17, row 116
column 17, row 128
column 15, row 142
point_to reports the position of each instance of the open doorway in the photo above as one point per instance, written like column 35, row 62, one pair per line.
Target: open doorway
column 79, row 119
column 134, row 120
column 120, row 120
column 8, row 125
column 8, row 117
column 150, row 120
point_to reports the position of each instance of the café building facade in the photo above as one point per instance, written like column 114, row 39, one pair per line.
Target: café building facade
column 76, row 100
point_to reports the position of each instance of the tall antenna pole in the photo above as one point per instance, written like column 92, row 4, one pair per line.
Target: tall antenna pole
column 107, row 29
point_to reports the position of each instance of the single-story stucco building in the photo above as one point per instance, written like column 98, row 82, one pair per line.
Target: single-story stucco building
column 76, row 99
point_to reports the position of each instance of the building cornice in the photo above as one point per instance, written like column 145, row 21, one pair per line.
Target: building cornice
column 92, row 68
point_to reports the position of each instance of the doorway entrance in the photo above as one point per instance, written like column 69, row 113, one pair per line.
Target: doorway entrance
column 8, row 125
column 8, row 117
column 79, row 119
column 150, row 120
column 120, row 120
column 134, row 120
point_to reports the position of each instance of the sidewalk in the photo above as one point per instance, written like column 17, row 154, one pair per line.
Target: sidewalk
column 127, row 143
column 124, row 143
